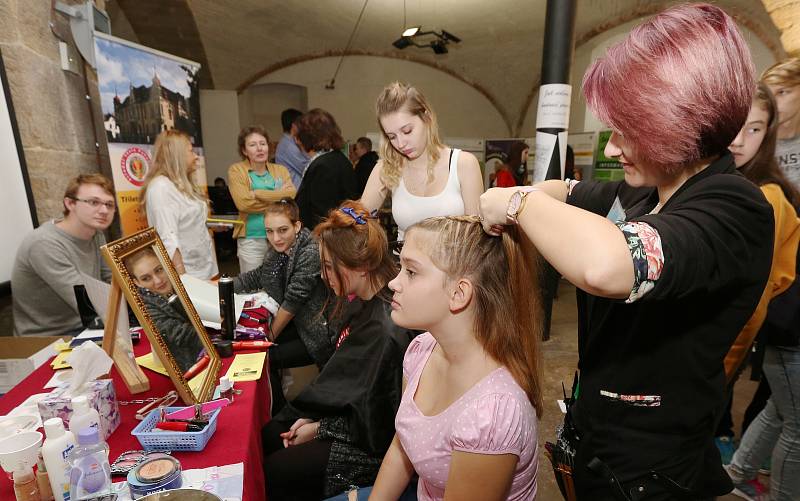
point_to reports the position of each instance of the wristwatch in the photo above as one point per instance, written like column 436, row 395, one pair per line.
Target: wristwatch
column 517, row 202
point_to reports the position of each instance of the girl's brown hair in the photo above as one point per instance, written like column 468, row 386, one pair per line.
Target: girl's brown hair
column 504, row 272
column 285, row 206
column 403, row 97
column 349, row 237
column 763, row 167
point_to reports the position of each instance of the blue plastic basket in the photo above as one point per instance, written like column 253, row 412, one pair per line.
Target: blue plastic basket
column 173, row 440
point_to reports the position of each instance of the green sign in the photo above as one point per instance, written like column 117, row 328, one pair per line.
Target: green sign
column 605, row 168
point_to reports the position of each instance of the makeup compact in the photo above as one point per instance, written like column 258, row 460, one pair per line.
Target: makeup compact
column 159, row 472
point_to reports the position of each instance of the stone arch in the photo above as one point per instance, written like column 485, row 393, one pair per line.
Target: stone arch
column 640, row 12
column 356, row 52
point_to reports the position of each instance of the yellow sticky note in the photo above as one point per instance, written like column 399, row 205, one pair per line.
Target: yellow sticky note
column 149, row 362
column 247, row 367
column 60, row 362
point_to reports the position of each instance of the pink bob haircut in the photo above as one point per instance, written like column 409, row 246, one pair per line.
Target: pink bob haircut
column 678, row 88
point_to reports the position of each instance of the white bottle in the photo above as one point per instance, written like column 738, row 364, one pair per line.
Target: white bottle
column 84, row 416
column 55, row 449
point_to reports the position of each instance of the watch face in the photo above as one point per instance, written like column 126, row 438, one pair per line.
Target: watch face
column 513, row 204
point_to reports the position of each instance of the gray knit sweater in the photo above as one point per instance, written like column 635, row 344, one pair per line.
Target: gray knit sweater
column 293, row 280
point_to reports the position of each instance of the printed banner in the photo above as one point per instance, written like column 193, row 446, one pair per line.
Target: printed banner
column 143, row 92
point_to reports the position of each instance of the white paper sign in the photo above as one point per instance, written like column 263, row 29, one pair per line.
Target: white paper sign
column 553, row 110
column 545, row 144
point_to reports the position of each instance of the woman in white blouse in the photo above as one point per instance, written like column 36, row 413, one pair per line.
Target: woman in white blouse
column 176, row 208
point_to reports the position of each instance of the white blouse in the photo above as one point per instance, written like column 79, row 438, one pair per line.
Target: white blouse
column 181, row 223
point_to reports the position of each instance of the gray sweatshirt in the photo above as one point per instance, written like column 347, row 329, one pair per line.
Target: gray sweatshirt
column 48, row 264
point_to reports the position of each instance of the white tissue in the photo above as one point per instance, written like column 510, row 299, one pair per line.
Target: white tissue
column 88, row 362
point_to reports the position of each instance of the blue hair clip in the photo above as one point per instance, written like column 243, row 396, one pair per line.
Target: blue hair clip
column 352, row 213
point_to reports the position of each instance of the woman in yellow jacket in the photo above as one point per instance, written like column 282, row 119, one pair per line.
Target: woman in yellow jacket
column 254, row 184
column 754, row 153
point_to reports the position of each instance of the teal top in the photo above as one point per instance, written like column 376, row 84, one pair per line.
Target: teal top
column 255, row 222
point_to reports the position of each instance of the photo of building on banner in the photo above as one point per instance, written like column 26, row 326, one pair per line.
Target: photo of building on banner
column 143, row 92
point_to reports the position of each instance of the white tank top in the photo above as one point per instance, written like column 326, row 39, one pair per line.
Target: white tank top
column 408, row 209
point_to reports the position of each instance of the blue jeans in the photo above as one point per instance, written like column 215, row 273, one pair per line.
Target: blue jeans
column 776, row 430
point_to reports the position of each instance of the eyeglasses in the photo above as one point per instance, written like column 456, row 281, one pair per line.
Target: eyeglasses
column 95, row 203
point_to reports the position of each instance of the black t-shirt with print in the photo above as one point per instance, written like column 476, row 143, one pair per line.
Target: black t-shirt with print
column 716, row 234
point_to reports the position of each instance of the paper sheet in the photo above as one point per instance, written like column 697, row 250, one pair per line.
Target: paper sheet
column 60, row 362
column 225, row 481
column 246, row 367
column 98, row 293
column 149, row 362
column 60, row 378
column 205, row 298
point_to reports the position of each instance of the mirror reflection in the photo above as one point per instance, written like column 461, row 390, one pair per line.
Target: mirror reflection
column 165, row 307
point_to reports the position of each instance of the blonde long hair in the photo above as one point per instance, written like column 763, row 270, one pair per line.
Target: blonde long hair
column 169, row 160
column 396, row 97
column 504, row 272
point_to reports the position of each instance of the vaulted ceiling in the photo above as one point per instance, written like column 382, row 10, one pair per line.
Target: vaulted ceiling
column 240, row 41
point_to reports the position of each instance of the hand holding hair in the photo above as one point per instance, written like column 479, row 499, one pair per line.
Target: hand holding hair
column 492, row 208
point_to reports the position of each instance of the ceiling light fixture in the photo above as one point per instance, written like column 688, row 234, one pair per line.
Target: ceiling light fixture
column 437, row 41
column 413, row 35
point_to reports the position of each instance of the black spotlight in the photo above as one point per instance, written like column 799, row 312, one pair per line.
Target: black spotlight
column 439, row 47
column 402, row 42
column 449, row 36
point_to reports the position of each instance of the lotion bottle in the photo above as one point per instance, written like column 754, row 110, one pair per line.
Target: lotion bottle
column 55, row 449
column 84, row 416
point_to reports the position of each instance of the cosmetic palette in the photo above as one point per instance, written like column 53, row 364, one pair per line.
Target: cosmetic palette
column 159, row 472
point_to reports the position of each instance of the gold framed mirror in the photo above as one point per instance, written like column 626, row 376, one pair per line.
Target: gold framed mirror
column 140, row 265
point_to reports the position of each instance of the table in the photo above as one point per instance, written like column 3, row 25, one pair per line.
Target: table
column 236, row 440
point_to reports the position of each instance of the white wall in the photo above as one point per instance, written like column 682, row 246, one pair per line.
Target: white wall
column 263, row 103
column 580, row 118
column 219, row 116
column 462, row 110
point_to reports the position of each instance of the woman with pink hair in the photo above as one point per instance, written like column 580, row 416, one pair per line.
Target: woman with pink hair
column 670, row 263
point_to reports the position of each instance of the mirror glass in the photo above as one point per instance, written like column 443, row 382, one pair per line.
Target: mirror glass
column 179, row 341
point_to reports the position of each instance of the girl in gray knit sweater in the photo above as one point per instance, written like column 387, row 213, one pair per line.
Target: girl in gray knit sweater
column 290, row 274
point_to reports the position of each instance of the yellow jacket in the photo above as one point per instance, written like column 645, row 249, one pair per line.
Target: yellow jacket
column 249, row 201
column 781, row 276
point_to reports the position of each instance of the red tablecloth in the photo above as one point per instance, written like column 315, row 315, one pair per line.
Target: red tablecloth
column 236, row 440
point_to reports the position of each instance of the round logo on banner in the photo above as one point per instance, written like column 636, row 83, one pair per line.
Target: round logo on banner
column 135, row 163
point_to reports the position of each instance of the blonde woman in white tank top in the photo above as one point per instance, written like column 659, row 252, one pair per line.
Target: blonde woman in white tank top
column 426, row 178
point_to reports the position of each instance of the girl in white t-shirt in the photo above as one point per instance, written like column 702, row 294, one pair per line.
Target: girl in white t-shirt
column 425, row 177
column 467, row 420
column 176, row 207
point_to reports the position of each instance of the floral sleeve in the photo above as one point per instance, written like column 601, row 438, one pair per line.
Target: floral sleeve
column 644, row 244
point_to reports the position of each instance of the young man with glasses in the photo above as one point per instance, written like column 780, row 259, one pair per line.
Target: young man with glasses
column 52, row 257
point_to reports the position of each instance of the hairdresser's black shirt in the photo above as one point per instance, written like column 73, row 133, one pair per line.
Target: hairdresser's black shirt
column 716, row 233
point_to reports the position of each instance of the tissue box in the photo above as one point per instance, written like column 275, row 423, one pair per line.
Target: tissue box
column 101, row 396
